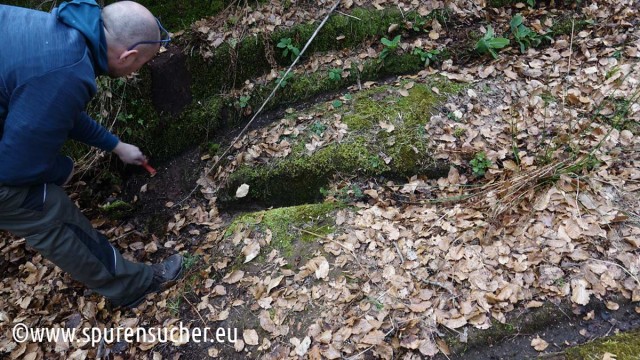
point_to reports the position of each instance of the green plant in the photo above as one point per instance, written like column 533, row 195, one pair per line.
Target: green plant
column 375, row 162
column 614, row 70
column 419, row 23
column 345, row 194
column 127, row 123
column 174, row 305
column 375, row 302
column 336, row 104
column 489, row 43
column 189, row 260
column 283, row 78
column 560, row 282
column 427, row 57
column 480, row 163
column 318, row 128
column 458, row 132
column 243, row 102
column 213, row 148
column 351, row 192
column 524, row 36
column 390, row 46
column 335, row 74
column 289, row 48
column 620, row 119
column 617, row 54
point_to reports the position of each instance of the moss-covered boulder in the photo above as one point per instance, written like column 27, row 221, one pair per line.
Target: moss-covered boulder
column 381, row 134
column 622, row 346
column 236, row 60
column 291, row 231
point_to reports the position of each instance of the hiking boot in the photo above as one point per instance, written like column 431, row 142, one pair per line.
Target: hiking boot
column 164, row 275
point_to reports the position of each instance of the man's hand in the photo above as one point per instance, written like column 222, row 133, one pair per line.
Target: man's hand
column 129, row 154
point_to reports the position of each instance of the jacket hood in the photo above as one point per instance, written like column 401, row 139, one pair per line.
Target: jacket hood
column 86, row 17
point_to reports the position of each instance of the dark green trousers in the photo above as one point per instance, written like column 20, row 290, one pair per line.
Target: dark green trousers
column 52, row 224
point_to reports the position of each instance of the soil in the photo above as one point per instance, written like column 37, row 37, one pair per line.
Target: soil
column 170, row 81
column 561, row 332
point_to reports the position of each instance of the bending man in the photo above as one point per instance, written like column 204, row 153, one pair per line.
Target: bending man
column 48, row 66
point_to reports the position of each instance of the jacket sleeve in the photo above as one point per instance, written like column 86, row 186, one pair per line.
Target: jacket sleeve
column 88, row 131
column 41, row 114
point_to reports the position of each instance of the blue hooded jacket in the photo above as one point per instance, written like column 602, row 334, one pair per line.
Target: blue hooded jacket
column 48, row 66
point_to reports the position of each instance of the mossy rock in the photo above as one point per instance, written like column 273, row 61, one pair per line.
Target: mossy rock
column 294, row 229
column 363, row 25
column 301, row 88
column 625, row 346
column 236, row 60
column 366, row 151
column 532, row 321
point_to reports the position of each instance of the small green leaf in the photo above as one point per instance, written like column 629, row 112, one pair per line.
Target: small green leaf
column 284, row 42
column 489, row 33
column 516, row 21
column 386, row 42
column 336, row 103
column 497, row 43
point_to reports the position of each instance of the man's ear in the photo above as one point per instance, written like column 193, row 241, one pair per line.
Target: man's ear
column 128, row 56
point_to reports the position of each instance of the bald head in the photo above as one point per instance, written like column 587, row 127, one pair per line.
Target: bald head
column 127, row 22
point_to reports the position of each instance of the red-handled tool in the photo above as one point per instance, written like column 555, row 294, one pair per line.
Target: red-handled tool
column 148, row 167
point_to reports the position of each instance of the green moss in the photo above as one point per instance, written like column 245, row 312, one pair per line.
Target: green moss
column 299, row 177
column 285, row 224
column 304, row 87
column 532, row 321
column 626, row 346
column 384, row 104
column 162, row 135
column 366, row 110
column 230, row 64
column 363, row 25
column 567, row 25
column 117, row 209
